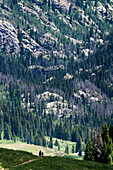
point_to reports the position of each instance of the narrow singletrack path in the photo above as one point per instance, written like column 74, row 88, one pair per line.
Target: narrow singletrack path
column 31, row 160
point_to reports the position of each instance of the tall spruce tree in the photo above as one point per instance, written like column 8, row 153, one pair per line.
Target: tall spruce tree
column 58, row 147
column 105, row 134
column 79, row 145
column 106, row 152
column 73, row 149
column 111, row 132
column 89, row 152
column 1, row 124
column 56, row 142
column 107, row 145
column 7, row 132
column 51, row 142
column 67, row 149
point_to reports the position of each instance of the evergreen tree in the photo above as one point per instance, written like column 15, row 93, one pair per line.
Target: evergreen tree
column 58, row 147
column 96, row 2
column 1, row 124
column 80, row 152
column 111, row 132
column 37, row 140
column 73, row 149
column 49, row 3
column 56, row 142
column 51, row 143
column 79, row 145
column 44, row 142
column 28, row 137
column 7, row 132
column 105, row 134
column 67, row 149
column 31, row 137
column 14, row 138
column 75, row 135
column 89, row 152
column 25, row 133
column 106, row 152
column 107, row 145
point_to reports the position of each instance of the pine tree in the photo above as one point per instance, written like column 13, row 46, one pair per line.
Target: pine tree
column 106, row 152
column 58, row 147
column 107, row 145
column 44, row 142
column 70, row 8
column 56, row 142
column 51, row 143
column 25, row 133
column 75, row 135
column 45, row 2
column 7, row 132
column 105, row 134
column 19, row 35
column 111, row 132
column 73, row 149
column 49, row 3
column 67, row 149
column 28, row 137
column 31, row 137
column 1, row 124
column 89, row 152
column 96, row 2
column 79, row 145
column 14, row 138
column 21, row 132
column 37, row 140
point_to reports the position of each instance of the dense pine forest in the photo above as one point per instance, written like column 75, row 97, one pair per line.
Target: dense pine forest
column 56, row 73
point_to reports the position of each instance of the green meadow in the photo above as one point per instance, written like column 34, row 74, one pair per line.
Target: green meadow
column 10, row 158
column 34, row 149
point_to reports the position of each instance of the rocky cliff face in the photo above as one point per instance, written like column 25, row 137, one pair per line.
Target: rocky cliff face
column 64, row 27
column 8, row 37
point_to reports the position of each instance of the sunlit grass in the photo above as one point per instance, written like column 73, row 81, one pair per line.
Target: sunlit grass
column 9, row 158
column 62, row 163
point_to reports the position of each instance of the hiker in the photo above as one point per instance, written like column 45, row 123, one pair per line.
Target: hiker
column 40, row 153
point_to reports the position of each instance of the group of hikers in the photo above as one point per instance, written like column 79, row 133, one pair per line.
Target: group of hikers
column 41, row 153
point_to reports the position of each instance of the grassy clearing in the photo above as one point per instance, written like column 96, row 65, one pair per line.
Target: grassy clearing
column 62, row 163
column 9, row 158
column 34, row 149
column 62, row 144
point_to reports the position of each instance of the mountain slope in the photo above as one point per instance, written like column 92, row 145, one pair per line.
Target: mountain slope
column 56, row 67
column 67, row 28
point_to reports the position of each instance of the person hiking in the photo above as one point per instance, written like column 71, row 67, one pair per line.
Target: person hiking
column 40, row 153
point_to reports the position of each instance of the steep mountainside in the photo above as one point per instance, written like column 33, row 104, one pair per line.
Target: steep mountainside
column 55, row 28
column 56, row 63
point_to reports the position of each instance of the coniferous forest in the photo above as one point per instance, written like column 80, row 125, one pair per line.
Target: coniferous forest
column 56, row 74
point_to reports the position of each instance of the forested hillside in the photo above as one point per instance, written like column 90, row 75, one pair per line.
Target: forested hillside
column 56, row 69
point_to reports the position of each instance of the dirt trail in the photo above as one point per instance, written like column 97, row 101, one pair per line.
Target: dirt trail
column 31, row 160
column 26, row 162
